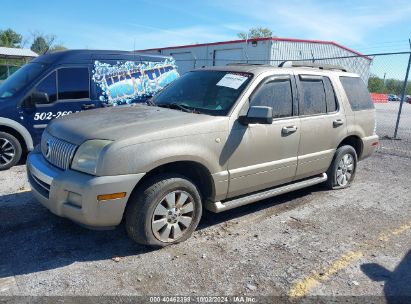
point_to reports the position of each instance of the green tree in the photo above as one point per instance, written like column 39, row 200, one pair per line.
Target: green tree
column 256, row 32
column 393, row 86
column 376, row 85
column 57, row 47
column 40, row 45
column 9, row 38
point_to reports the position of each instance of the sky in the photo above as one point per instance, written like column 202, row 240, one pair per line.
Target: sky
column 368, row 26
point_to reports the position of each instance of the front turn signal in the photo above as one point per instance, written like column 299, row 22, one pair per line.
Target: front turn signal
column 112, row 196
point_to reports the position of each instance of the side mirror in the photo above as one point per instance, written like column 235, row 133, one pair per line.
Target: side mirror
column 257, row 115
column 39, row 98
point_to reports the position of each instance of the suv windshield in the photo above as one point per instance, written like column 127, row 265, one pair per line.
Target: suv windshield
column 209, row 92
column 19, row 79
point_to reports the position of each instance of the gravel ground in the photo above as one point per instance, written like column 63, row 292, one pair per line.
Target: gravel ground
column 386, row 114
column 387, row 117
column 311, row 242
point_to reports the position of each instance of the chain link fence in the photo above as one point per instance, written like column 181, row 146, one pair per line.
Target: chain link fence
column 385, row 75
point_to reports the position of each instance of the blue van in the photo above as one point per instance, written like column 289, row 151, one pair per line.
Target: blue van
column 61, row 83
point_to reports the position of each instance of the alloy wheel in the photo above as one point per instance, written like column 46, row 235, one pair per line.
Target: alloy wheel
column 345, row 170
column 173, row 216
column 7, row 152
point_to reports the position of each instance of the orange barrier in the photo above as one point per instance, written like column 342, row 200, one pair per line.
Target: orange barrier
column 379, row 98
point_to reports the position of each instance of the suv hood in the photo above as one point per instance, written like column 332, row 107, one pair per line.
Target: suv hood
column 127, row 122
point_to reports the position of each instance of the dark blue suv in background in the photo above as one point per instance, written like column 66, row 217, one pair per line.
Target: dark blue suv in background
column 62, row 83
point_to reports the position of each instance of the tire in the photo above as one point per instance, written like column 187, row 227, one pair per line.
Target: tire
column 10, row 151
column 151, row 218
column 341, row 172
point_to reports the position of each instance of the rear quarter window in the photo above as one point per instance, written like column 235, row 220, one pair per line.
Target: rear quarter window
column 357, row 93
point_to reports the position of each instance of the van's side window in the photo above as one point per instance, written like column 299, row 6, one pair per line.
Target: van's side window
column 276, row 94
column 313, row 96
column 74, row 83
column 48, row 86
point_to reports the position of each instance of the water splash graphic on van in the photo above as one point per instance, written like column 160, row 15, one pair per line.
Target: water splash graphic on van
column 127, row 82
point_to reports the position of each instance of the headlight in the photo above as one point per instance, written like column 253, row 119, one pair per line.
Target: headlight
column 87, row 155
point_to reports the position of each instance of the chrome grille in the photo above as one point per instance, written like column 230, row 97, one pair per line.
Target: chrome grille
column 57, row 152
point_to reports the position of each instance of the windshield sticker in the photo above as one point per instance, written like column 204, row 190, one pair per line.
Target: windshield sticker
column 124, row 83
column 232, row 81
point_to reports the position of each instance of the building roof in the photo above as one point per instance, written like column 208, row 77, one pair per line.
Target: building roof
column 16, row 53
column 259, row 39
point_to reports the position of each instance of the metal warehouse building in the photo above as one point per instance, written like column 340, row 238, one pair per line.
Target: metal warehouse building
column 266, row 50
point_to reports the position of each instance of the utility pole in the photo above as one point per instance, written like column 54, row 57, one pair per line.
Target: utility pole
column 404, row 88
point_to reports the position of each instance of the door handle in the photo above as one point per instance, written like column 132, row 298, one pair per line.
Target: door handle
column 88, row 106
column 338, row 122
column 289, row 130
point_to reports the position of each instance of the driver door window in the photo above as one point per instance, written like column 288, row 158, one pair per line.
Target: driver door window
column 74, row 83
column 277, row 94
column 48, row 86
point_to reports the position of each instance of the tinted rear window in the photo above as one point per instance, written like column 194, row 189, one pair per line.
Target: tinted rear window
column 329, row 95
column 357, row 93
column 313, row 97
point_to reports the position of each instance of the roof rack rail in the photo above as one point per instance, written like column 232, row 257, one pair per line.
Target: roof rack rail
column 243, row 63
column 295, row 64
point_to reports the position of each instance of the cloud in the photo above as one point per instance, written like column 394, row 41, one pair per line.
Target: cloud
column 157, row 37
column 344, row 21
column 137, row 36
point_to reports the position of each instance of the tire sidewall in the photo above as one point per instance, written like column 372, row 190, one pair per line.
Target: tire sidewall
column 178, row 184
column 17, row 147
column 332, row 173
column 148, row 200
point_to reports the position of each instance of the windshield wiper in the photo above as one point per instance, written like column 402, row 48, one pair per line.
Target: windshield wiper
column 176, row 106
column 150, row 101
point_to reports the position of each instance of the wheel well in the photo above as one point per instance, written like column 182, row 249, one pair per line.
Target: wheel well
column 355, row 142
column 194, row 171
column 17, row 135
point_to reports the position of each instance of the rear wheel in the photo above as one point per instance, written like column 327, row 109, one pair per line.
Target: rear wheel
column 164, row 211
column 342, row 170
column 10, row 151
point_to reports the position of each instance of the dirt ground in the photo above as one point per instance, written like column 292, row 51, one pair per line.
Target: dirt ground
column 353, row 242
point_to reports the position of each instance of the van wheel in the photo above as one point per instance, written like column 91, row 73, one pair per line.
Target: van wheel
column 342, row 170
column 10, row 151
column 164, row 211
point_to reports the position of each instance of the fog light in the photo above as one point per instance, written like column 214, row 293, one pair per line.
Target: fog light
column 112, row 196
column 74, row 198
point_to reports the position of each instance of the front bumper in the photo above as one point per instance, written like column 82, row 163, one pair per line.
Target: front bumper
column 73, row 195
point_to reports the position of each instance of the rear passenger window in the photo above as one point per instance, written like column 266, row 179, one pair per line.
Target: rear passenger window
column 276, row 94
column 313, row 96
column 329, row 95
column 357, row 93
column 73, row 83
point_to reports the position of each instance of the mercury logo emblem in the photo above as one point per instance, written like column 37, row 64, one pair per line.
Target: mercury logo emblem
column 48, row 149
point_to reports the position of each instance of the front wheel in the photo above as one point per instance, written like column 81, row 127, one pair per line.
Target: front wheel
column 164, row 211
column 342, row 170
column 10, row 151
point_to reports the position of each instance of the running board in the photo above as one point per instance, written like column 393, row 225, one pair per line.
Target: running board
column 237, row 202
